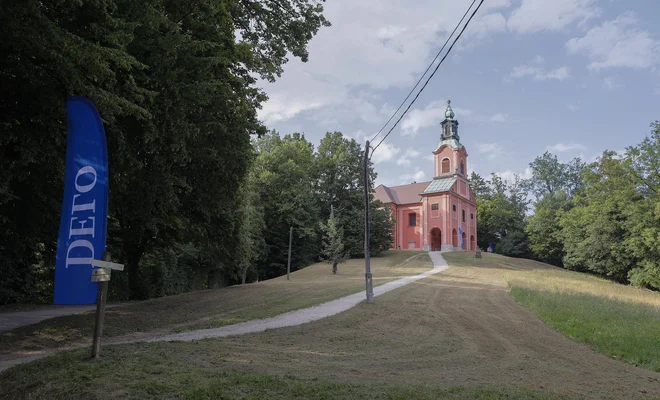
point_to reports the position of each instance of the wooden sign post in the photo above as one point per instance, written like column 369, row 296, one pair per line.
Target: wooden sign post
column 101, row 275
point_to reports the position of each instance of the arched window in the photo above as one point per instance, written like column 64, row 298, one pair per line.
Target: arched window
column 462, row 168
column 446, row 167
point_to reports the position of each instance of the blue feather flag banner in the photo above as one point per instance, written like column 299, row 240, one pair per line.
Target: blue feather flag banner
column 85, row 206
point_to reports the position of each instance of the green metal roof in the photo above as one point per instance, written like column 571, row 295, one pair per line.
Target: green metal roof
column 450, row 142
column 440, row 185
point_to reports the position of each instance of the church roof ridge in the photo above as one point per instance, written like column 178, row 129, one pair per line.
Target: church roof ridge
column 405, row 184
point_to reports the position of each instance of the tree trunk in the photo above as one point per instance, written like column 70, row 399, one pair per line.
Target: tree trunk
column 137, row 289
column 245, row 270
column 334, row 269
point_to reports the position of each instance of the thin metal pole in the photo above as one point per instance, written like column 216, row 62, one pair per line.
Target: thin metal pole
column 247, row 264
column 100, row 314
column 367, row 258
column 288, row 264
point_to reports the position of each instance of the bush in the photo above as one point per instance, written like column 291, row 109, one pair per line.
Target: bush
column 515, row 244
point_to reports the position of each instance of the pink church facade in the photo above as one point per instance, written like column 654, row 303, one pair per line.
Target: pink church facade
column 440, row 214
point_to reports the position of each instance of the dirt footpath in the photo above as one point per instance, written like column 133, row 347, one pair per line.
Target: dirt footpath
column 458, row 328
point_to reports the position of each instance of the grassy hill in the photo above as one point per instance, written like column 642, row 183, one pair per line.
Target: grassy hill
column 455, row 335
column 619, row 320
column 212, row 308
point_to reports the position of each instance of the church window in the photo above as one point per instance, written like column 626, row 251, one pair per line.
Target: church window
column 454, row 207
column 463, row 215
column 446, row 167
column 435, row 206
column 471, row 216
column 412, row 219
column 462, row 168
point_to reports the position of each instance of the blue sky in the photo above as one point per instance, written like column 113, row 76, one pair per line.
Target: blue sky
column 575, row 77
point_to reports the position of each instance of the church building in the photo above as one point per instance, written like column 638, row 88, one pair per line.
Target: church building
column 440, row 214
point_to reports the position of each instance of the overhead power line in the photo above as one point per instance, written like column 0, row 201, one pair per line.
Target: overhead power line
column 429, row 78
column 427, row 70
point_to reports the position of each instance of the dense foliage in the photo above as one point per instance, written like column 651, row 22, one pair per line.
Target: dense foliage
column 175, row 85
column 602, row 218
column 300, row 187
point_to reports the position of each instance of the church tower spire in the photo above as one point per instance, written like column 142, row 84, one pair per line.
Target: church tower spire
column 449, row 125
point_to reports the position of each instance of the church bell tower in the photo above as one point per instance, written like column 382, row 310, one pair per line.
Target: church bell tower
column 449, row 125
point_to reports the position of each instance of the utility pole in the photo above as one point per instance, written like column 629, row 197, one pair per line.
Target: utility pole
column 247, row 223
column 367, row 226
column 288, row 264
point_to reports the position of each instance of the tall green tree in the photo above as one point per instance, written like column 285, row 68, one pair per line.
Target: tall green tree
column 501, row 208
column 554, row 184
column 51, row 50
column 382, row 228
column 284, row 177
column 338, row 184
column 549, row 175
column 176, row 86
column 544, row 228
column 645, row 219
column 595, row 231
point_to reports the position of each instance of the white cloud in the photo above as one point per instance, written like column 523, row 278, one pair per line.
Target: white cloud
column 431, row 115
column 493, row 4
column 418, row 176
column 360, row 136
column 610, row 83
column 538, row 59
column 372, row 45
column 617, row 43
column 276, row 110
column 563, row 147
column 418, row 119
column 390, row 32
column 405, row 158
column 491, row 149
column 510, row 176
column 499, row 117
column 540, row 74
column 482, row 28
column 540, row 15
column 572, row 107
column 385, row 152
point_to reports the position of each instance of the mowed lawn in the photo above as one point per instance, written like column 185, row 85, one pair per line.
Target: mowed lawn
column 618, row 320
column 455, row 335
column 211, row 308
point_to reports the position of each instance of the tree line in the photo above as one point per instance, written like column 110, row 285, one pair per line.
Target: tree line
column 196, row 198
column 601, row 217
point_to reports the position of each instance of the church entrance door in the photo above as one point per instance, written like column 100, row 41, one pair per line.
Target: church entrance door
column 436, row 239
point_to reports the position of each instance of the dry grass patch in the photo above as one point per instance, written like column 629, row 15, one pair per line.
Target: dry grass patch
column 210, row 308
column 457, row 334
column 561, row 281
column 618, row 320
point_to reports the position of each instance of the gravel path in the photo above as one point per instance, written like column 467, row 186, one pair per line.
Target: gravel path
column 304, row 315
column 292, row 318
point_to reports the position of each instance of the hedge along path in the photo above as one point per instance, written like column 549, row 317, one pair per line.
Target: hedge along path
column 305, row 315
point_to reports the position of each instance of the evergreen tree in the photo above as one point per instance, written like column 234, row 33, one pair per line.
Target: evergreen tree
column 333, row 243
